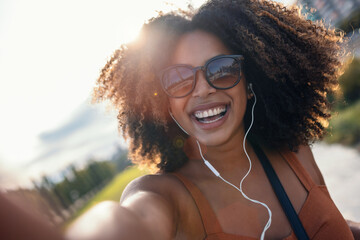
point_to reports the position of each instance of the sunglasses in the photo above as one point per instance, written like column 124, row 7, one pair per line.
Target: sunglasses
column 221, row 72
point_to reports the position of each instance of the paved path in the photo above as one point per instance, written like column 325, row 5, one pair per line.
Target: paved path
column 340, row 167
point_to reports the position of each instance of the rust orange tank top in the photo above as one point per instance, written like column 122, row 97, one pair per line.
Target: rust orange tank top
column 319, row 215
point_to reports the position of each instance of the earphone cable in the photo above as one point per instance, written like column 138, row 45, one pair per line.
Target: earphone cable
column 216, row 173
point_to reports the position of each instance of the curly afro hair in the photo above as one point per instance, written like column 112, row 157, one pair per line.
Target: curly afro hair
column 292, row 63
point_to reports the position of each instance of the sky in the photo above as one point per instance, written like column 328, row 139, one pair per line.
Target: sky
column 51, row 53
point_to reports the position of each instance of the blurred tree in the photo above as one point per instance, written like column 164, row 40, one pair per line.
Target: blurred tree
column 62, row 197
column 46, row 192
column 62, row 191
column 351, row 23
column 345, row 126
column 350, row 82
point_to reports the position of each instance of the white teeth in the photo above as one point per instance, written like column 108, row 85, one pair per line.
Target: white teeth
column 210, row 112
column 211, row 121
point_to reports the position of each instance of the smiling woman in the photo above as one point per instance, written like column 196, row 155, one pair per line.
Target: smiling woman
column 233, row 92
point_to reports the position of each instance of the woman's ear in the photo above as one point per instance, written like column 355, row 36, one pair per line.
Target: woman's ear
column 250, row 91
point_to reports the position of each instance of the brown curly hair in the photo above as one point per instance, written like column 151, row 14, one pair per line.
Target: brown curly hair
column 292, row 63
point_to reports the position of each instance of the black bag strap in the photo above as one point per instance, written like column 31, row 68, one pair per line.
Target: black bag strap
column 281, row 195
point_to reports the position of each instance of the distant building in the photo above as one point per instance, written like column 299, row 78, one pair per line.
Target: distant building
column 332, row 11
column 339, row 13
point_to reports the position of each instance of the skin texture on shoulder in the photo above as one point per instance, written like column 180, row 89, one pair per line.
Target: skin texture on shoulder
column 153, row 197
column 306, row 158
column 108, row 220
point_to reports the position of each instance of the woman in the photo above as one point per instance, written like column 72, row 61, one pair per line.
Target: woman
column 201, row 96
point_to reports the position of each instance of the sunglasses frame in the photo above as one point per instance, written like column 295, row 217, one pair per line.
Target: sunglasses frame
column 203, row 68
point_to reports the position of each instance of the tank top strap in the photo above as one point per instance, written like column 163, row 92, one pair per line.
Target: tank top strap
column 298, row 169
column 208, row 217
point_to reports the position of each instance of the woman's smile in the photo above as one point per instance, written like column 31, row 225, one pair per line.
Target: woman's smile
column 210, row 115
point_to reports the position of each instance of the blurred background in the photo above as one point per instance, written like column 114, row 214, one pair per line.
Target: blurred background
column 62, row 154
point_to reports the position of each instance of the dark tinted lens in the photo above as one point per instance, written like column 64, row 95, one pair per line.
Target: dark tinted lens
column 178, row 81
column 223, row 72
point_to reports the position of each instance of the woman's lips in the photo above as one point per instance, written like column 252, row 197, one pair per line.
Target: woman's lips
column 211, row 117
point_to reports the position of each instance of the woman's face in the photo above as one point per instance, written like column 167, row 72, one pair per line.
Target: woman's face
column 226, row 107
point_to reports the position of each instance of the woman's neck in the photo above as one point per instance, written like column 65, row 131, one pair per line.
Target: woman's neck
column 225, row 157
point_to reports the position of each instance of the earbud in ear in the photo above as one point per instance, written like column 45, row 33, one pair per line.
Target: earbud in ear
column 250, row 91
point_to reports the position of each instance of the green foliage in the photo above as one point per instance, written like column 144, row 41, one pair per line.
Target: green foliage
column 77, row 183
column 351, row 22
column 345, row 126
column 112, row 191
column 115, row 188
column 62, row 192
column 350, row 82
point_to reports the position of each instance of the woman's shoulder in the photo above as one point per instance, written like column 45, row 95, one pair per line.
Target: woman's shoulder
column 154, row 198
column 164, row 197
column 307, row 160
column 164, row 184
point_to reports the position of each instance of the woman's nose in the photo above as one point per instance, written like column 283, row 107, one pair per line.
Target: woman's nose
column 202, row 87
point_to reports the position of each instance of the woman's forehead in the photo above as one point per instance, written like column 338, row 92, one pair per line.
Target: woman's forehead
column 196, row 47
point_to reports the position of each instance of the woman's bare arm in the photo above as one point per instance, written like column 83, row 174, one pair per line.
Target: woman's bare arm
column 108, row 220
column 141, row 214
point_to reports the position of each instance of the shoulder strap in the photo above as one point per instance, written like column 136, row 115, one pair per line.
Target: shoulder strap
column 208, row 217
column 281, row 194
column 298, row 169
